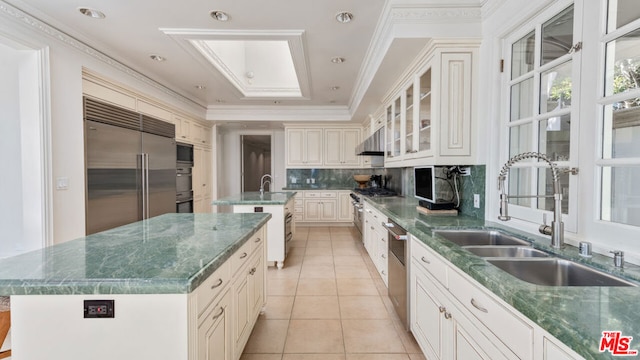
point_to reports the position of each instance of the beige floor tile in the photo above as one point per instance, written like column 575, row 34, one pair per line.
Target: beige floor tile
column 377, row 357
column 371, row 336
column 293, row 260
column 261, row 357
column 318, row 271
column 319, row 243
column 298, row 243
column 295, row 251
column 356, row 287
column 352, row 271
column 288, row 271
column 279, row 307
column 315, row 337
column 313, row 286
column 316, row 307
column 347, row 250
column 344, row 237
column 362, row 307
column 268, row 337
column 409, row 342
column 327, row 251
column 282, row 287
column 313, row 357
column 318, row 260
column 348, row 260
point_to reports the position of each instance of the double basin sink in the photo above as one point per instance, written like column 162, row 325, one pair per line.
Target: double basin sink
column 518, row 258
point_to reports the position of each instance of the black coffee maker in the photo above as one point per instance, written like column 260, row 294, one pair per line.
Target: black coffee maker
column 376, row 181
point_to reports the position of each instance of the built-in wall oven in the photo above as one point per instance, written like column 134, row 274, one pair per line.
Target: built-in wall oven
column 184, row 178
column 398, row 255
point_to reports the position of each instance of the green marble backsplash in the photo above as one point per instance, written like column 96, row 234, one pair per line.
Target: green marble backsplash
column 400, row 180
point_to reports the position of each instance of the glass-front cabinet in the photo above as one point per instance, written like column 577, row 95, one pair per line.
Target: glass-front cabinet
column 429, row 121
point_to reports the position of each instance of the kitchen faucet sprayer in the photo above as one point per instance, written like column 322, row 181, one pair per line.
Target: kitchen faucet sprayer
column 263, row 182
column 556, row 230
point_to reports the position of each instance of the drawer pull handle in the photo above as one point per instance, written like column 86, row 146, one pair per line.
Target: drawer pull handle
column 253, row 271
column 475, row 305
column 218, row 314
column 447, row 315
column 244, row 255
column 217, row 285
column 425, row 260
column 442, row 309
column 258, row 240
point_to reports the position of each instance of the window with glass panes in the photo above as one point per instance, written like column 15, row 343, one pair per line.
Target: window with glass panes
column 619, row 161
column 541, row 70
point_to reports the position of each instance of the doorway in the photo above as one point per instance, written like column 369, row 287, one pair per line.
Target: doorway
column 256, row 161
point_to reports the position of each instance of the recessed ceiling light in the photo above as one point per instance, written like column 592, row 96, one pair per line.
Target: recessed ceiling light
column 344, row 17
column 219, row 101
column 277, row 102
column 157, row 58
column 92, row 13
column 219, row 15
column 332, row 101
column 200, row 87
column 335, row 88
column 338, row 60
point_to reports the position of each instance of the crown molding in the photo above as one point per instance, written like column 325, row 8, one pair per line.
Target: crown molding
column 25, row 19
column 270, row 113
column 414, row 14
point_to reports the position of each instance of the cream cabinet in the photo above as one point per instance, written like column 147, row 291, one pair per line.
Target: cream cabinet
column 201, row 179
column 229, row 301
column 317, row 206
column 304, row 147
column 214, row 331
column 340, row 147
column 429, row 119
column 375, row 238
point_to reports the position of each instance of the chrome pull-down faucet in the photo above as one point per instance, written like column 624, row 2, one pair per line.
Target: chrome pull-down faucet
column 556, row 230
column 263, row 182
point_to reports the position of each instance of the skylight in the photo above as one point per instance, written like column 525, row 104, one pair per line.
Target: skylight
column 257, row 68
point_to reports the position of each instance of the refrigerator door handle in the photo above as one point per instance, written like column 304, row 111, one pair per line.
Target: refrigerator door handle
column 145, row 156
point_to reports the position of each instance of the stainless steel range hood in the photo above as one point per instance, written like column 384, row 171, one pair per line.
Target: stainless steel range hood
column 373, row 145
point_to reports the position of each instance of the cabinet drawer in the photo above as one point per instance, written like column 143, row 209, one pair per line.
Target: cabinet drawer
column 430, row 261
column 507, row 327
column 241, row 256
column 257, row 240
column 213, row 286
column 331, row 195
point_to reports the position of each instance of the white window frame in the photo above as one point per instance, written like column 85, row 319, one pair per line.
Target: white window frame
column 532, row 214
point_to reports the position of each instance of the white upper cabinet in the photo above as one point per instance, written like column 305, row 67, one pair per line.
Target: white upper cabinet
column 429, row 118
column 319, row 147
column 340, row 147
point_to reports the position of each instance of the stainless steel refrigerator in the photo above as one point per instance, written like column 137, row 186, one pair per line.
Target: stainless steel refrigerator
column 130, row 162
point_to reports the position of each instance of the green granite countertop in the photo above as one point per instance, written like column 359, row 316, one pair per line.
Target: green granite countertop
column 167, row 254
column 255, row 198
column 306, row 187
column 575, row 315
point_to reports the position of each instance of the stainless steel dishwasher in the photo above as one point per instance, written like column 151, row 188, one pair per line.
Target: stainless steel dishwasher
column 398, row 270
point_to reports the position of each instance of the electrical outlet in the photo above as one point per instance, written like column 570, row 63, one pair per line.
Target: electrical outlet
column 476, row 201
column 465, row 171
column 308, row 181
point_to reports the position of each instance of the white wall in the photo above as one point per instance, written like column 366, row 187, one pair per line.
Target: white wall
column 67, row 58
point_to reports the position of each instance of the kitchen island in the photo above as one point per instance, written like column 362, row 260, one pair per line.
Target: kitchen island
column 282, row 224
column 167, row 288
column 543, row 322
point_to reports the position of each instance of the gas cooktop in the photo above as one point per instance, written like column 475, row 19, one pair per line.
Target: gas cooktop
column 370, row 191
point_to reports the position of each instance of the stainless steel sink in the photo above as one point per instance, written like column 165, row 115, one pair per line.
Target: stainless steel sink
column 556, row 272
column 479, row 237
column 493, row 251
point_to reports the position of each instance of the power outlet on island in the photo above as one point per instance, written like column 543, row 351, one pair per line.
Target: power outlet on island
column 99, row 309
column 476, row 201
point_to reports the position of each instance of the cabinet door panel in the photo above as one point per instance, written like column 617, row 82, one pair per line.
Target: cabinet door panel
column 455, row 105
column 295, row 143
column 350, row 140
column 313, row 147
column 332, row 147
column 427, row 323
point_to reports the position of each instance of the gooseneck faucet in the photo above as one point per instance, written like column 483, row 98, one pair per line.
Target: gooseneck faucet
column 556, row 230
column 263, row 182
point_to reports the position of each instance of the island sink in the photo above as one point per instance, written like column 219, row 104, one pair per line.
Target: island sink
column 493, row 251
column 556, row 272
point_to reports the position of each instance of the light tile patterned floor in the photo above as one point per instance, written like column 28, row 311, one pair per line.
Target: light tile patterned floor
column 328, row 303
